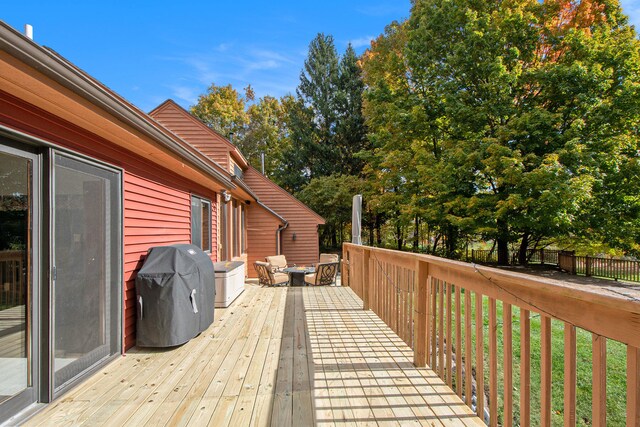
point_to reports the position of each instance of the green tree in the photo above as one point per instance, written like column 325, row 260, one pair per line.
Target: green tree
column 527, row 89
column 224, row 109
column 351, row 132
column 266, row 133
column 334, row 191
column 317, row 89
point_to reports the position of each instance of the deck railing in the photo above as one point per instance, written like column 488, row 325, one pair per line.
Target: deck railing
column 462, row 318
column 11, row 278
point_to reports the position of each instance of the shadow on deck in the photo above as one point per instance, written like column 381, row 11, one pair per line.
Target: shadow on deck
column 277, row 356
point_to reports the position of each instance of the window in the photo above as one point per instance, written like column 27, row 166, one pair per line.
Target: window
column 235, row 230
column 243, row 230
column 201, row 223
column 237, row 171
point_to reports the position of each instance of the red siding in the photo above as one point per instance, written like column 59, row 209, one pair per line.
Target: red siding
column 302, row 220
column 194, row 132
column 155, row 214
column 157, row 204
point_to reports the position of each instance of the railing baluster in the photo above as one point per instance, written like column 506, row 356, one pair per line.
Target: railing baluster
column 508, row 365
column 421, row 314
column 441, row 329
column 458, row 344
column 365, row 280
column 479, row 358
column 449, row 336
column 434, row 335
column 569, row 375
column 633, row 386
column 467, row 346
column 545, row 368
column 525, row 368
column 599, row 400
column 493, row 364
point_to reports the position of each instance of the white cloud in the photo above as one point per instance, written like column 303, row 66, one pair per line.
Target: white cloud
column 185, row 93
column 362, row 42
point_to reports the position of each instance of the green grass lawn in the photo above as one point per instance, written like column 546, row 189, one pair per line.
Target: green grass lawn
column 616, row 368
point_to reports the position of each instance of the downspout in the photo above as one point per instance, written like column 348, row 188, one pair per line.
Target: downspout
column 284, row 225
column 278, row 232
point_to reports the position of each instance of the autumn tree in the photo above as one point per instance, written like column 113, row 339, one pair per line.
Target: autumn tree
column 224, row 109
column 513, row 120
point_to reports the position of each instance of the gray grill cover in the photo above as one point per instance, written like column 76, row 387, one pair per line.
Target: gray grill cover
column 175, row 294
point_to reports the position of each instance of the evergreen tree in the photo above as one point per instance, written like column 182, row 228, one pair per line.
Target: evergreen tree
column 351, row 132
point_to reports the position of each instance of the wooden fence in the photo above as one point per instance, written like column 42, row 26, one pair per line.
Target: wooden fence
column 439, row 307
column 12, row 286
column 569, row 262
column 601, row 267
column 534, row 256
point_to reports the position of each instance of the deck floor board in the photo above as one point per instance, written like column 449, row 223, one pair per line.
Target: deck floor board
column 275, row 357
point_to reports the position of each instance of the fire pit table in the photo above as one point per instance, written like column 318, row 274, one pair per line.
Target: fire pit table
column 296, row 274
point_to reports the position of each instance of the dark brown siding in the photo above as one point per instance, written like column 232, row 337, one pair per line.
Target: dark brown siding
column 302, row 221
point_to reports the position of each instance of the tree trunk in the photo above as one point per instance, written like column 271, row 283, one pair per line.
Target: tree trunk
column 522, row 252
column 503, row 243
column 435, row 243
column 334, row 242
column 371, row 225
column 452, row 240
column 416, row 233
column 378, row 231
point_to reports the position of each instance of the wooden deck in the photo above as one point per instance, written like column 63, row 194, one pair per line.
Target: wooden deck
column 277, row 356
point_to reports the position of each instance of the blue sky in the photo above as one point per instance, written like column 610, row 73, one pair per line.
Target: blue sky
column 150, row 51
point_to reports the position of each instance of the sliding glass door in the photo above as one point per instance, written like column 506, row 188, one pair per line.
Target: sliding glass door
column 18, row 273
column 87, row 274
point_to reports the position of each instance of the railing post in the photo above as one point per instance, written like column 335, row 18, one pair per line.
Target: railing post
column 541, row 256
column 420, row 315
column 365, row 278
column 473, row 255
column 344, row 267
column 587, row 266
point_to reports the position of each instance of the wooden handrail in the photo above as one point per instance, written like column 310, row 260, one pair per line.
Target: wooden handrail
column 413, row 294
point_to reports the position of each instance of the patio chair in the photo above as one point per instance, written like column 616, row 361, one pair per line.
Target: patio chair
column 267, row 277
column 324, row 258
column 277, row 262
column 325, row 274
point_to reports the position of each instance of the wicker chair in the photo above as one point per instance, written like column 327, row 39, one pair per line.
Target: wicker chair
column 325, row 274
column 277, row 262
column 267, row 277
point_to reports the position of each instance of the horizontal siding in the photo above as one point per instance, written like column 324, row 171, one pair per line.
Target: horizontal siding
column 150, row 217
column 183, row 125
column 155, row 214
column 156, row 199
column 303, row 222
column 261, row 236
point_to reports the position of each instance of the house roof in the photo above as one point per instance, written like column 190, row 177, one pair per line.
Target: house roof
column 242, row 184
column 284, row 193
column 237, row 156
column 63, row 72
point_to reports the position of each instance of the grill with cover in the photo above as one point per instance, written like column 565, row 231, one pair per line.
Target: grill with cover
column 175, row 292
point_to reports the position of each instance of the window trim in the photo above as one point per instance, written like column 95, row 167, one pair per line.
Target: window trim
column 197, row 205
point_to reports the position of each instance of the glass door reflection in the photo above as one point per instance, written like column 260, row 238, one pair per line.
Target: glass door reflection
column 16, row 321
